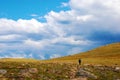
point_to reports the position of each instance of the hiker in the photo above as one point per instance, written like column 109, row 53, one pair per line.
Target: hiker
column 79, row 61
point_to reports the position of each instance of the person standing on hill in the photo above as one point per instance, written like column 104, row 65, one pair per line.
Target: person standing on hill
column 79, row 61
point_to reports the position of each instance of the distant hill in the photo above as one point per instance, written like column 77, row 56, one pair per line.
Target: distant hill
column 108, row 54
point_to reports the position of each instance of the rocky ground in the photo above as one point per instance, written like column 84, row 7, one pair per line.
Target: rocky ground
column 57, row 71
column 98, row 72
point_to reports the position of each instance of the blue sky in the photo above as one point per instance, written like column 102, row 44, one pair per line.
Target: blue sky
column 44, row 29
column 24, row 9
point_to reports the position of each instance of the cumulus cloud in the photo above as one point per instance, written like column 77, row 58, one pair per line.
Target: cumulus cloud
column 74, row 50
column 106, row 13
column 59, row 40
column 54, row 56
column 20, row 26
column 92, row 6
column 72, row 31
column 12, row 37
column 66, row 17
column 64, row 4
column 71, row 40
column 37, row 44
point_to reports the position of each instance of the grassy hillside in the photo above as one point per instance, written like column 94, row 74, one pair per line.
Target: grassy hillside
column 108, row 54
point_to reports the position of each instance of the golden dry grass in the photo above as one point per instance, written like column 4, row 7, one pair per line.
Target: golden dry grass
column 106, row 55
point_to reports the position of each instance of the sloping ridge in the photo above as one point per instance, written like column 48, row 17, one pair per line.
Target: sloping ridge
column 107, row 51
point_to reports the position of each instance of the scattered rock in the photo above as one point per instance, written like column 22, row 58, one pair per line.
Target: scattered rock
column 3, row 71
column 23, row 64
column 86, row 64
column 100, row 68
column 98, row 65
column 28, row 72
column 25, row 73
column 33, row 70
column 117, row 69
column 83, row 73
column 87, row 69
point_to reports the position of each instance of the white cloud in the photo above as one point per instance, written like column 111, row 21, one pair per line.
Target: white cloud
column 20, row 26
column 64, row 4
column 78, row 4
column 34, row 15
column 37, row 44
column 69, row 16
column 65, row 22
column 71, row 40
column 74, row 50
column 42, row 57
column 14, row 55
column 54, row 56
column 106, row 14
column 30, row 55
column 42, row 44
column 11, row 37
column 84, row 18
column 94, row 6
